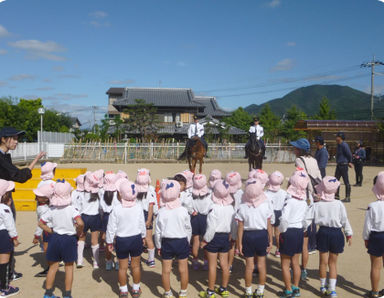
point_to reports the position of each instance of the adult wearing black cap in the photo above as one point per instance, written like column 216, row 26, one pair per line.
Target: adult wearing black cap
column 321, row 155
column 257, row 130
column 196, row 130
column 359, row 157
column 9, row 137
column 343, row 161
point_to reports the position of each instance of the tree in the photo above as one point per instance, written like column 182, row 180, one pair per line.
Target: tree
column 325, row 111
column 240, row 119
column 270, row 122
column 292, row 115
column 142, row 119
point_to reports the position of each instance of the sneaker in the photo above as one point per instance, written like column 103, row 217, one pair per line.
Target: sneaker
column 230, row 269
column 11, row 291
column 95, row 265
column 195, row 265
column 79, row 265
column 277, row 254
column 16, row 276
column 43, row 273
column 323, row 290
column 66, row 297
column 151, row 264
column 295, row 292
column 312, row 252
column 372, row 294
column 222, row 292
column 304, row 275
column 168, row 296
column 205, row 294
column 255, row 295
column 53, row 296
column 182, row 295
column 136, row 294
column 332, row 294
column 108, row 265
column 117, row 266
column 286, row 294
column 123, row 295
column 248, row 295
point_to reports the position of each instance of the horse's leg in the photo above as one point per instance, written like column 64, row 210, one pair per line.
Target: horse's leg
column 189, row 163
column 193, row 165
column 201, row 165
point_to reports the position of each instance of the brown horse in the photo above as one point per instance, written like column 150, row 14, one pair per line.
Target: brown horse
column 255, row 154
column 194, row 153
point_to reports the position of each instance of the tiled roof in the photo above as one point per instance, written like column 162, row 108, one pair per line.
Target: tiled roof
column 211, row 107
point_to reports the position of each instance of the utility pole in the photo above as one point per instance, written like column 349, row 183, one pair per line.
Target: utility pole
column 94, row 118
column 372, row 66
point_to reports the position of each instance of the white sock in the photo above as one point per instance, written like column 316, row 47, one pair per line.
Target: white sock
column 124, row 289
column 169, row 293
column 136, row 287
column 248, row 290
column 332, row 284
column 183, row 292
column 95, row 253
column 323, row 282
column 260, row 289
column 80, row 251
column 151, row 254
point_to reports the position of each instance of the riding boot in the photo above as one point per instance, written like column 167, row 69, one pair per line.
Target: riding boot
column 246, row 152
column 347, row 194
column 337, row 195
column 360, row 181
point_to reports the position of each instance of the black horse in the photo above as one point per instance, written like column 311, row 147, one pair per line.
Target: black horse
column 254, row 153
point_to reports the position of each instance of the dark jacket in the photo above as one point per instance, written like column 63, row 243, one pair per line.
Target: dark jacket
column 343, row 154
column 12, row 173
column 322, row 157
column 359, row 155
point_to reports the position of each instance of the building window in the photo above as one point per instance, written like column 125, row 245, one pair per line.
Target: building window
column 168, row 117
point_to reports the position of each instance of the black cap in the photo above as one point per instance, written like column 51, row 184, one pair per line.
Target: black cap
column 10, row 132
column 320, row 140
column 256, row 119
column 195, row 117
column 341, row 135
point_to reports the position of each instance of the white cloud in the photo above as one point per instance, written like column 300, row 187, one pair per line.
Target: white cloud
column 3, row 32
column 99, row 14
column 22, row 77
column 282, row 65
column 121, row 82
column 65, row 96
column 44, row 89
column 98, row 19
column 36, row 49
column 274, row 3
column 291, row 44
column 3, row 52
column 99, row 24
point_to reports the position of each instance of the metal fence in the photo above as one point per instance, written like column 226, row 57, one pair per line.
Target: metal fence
column 56, row 137
column 126, row 152
column 28, row 151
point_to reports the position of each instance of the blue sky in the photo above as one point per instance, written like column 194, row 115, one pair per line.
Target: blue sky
column 70, row 52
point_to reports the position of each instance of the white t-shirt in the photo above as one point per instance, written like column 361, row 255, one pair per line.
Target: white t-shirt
column 255, row 218
column 62, row 219
column 6, row 221
column 277, row 198
column 374, row 219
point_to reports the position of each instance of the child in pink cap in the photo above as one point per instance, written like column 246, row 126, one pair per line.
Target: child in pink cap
column 331, row 216
column 126, row 227
column 234, row 181
column 147, row 198
column 291, row 227
column 373, row 234
column 43, row 195
column 202, row 204
column 189, row 176
column 255, row 234
column 173, row 235
column 107, row 203
column 90, row 214
column 262, row 176
column 8, row 237
column 64, row 225
column 217, row 238
column 213, row 177
column 185, row 194
column 48, row 170
column 277, row 196
column 78, row 193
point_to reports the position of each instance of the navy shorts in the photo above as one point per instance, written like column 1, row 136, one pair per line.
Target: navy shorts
column 255, row 243
column 174, row 248
column 62, row 248
column 46, row 236
column 104, row 221
column 6, row 242
column 376, row 244
column 330, row 240
column 129, row 246
column 291, row 242
column 91, row 222
column 146, row 218
column 199, row 224
column 219, row 243
column 277, row 217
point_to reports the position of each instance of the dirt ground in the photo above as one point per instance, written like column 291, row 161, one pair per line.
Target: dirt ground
column 353, row 266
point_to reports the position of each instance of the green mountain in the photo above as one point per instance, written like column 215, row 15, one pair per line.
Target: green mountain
column 349, row 103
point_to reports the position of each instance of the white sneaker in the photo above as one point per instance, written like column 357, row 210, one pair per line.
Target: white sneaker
column 95, row 265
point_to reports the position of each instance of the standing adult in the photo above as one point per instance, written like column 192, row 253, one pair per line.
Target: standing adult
column 321, row 155
column 343, row 161
column 304, row 160
column 359, row 156
column 9, row 137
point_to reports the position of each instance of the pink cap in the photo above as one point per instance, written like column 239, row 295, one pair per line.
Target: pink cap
column 188, row 175
column 262, row 176
column 143, row 179
column 80, row 182
column 128, row 192
column 170, row 191
column 200, row 187
column 327, row 188
column 298, row 185
column 47, row 170
column 214, row 176
column 275, row 181
column 234, row 181
column 253, row 193
column 252, row 174
column 110, row 181
column 378, row 188
column 62, row 194
column 45, row 191
column 221, row 194
column 6, row 186
column 122, row 174
column 100, row 177
column 92, row 182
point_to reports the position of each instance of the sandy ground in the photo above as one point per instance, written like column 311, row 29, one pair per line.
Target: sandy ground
column 354, row 265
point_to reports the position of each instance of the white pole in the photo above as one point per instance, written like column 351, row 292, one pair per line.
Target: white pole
column 41, row 132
